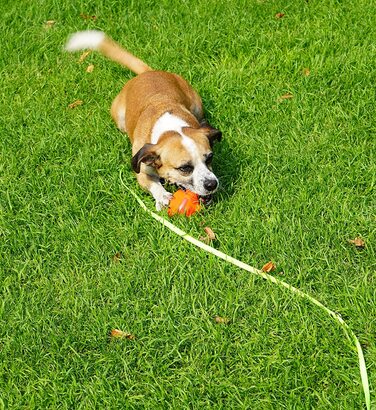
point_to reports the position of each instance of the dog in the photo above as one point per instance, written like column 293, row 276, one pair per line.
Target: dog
column 164, row 119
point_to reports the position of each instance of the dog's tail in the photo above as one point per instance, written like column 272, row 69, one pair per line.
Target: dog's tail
column 97, row 40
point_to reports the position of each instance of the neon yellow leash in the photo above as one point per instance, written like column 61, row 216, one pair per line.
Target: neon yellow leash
column 348, row 332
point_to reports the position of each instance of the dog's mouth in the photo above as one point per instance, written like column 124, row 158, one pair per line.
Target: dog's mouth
column 207, row 199
column 204, row 199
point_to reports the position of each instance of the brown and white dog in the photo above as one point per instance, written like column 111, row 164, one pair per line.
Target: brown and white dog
column 163, row 116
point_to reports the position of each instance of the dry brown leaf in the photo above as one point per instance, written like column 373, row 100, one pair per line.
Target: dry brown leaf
column 279, row 15
column 268, row 267
column 90, row 68
column 117, row 257
column 286, row 96
column 87, row 17
column 84, row 55
column 49, row 23
column 209, row 232
column 75, row 104
column 204, row 239
column 358, row 242
column 306, row 72
column 221, row 320
column 119, row 334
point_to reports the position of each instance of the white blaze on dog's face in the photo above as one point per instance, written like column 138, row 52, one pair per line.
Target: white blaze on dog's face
column 183, row 157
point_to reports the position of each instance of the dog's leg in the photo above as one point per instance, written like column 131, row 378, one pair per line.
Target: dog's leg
column 118, row 112
column 152, row 184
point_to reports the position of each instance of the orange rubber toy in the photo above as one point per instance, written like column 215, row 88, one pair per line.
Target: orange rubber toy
column 184, row 202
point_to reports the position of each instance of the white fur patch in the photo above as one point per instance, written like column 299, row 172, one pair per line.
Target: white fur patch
column 161, row 196
column 91, row 39
column 166, row 122
column 201, row 173
column 190, row 146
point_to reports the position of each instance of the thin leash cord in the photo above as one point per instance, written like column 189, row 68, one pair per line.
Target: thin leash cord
column 348, row 332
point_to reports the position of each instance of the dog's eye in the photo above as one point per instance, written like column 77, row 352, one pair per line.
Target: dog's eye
column 186, row 169
column 209, row 159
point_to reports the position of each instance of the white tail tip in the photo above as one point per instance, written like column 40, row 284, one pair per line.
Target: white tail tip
column 91, row 39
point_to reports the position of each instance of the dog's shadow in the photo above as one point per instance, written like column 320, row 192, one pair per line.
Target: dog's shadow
column 225, row 168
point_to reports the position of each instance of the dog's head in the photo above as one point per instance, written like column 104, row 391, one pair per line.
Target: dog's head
column 183, row 158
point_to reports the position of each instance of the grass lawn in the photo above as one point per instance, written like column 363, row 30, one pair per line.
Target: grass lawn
column 295, row 99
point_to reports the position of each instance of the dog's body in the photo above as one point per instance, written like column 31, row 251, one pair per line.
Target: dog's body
column 163, row 117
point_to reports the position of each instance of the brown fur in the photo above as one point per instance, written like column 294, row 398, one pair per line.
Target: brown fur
column 150, row 94
column 141, row 102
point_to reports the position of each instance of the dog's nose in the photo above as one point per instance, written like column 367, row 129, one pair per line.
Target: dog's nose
column 210, row 184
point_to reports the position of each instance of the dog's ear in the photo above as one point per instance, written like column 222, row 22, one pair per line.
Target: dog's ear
column 212, row 133
column 147, row 155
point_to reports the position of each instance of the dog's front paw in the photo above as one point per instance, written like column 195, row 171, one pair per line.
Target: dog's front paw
column 163, row 200
column 161, row 196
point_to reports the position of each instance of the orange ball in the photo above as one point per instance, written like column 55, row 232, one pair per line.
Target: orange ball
column 184, row 202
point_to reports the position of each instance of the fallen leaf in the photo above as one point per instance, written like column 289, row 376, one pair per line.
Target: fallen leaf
column 221, row 320
column 49, row 23
column 75, row 104
column 117, row 257
column 204, row 239
column 286, row 96
column 306, row 72
column 119, row 334
column 90, row 68
column 209, row 233
column 84, row 55
column 87, row 17
column 268, row 267
column 279, row 15
column 358, row 242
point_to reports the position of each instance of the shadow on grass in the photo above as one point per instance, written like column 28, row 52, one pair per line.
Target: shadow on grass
column 225, row 167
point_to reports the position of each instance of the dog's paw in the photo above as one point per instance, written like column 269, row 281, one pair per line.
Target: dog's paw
column 161, row 196
column 163, row 200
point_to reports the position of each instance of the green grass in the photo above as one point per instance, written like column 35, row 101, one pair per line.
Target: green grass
column 297, row 181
